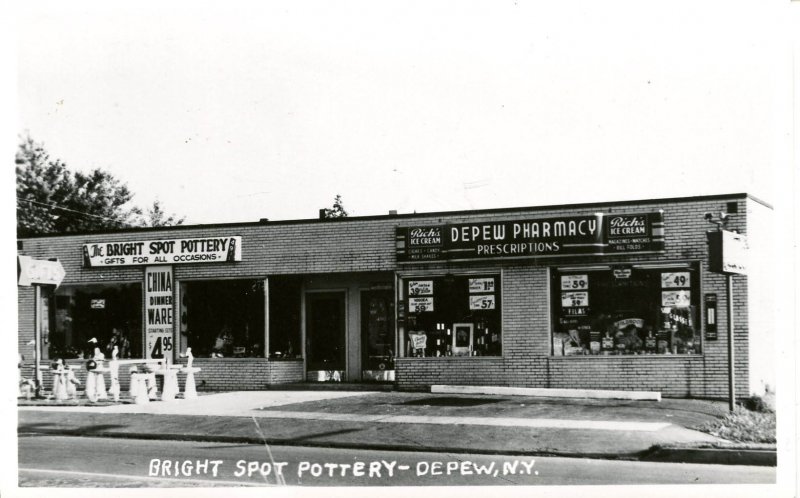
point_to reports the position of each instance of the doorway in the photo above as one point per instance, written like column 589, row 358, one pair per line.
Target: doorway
column 325, row 336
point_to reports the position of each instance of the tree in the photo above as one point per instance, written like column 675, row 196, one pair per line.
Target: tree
column 155, row 216
column 53, row 199
column 337, row 211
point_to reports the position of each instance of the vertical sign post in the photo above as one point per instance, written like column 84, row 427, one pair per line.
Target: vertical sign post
column 727, row 254
column 38, row 272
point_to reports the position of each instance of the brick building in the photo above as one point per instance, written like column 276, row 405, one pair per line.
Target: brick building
column 614, row 295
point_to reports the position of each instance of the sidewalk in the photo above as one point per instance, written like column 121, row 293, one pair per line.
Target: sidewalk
column 400, row 421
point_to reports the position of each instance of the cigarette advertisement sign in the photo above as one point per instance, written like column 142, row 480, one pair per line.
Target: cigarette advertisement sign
column 163, row 252
column 158, row 311
column 585, row 235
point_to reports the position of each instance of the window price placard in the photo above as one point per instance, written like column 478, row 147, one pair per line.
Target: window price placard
column 570, row 282
column 481, row 302
column 420, row 287
column 574, row 299
column 481, row 285
column 679, row 299
column 420, row 304
column 673, row 280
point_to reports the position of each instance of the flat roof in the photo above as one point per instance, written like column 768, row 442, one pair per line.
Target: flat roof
column 408, row 215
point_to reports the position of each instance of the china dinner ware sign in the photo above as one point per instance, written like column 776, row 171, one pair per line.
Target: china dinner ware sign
column 163, row 252
column 583, row 235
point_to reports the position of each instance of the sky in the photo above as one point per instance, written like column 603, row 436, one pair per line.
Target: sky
column 244, row 112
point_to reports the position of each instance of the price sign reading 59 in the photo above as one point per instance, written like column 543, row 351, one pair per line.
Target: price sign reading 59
column 574, row 299
column 420, row 304
column 574, row 282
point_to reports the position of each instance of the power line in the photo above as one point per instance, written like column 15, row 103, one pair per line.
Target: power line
column 56, row 206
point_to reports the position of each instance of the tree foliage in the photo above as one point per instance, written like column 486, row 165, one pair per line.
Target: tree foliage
column 337, row 211
column 53, row 199
column 155, row 216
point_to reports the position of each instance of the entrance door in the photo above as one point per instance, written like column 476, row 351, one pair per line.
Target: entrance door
column 377, row 335
column 325, row 334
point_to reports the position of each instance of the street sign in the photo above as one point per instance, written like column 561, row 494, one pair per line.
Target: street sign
column 39, row 271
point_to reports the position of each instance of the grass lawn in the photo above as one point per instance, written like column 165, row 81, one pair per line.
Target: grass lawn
column 744, row 426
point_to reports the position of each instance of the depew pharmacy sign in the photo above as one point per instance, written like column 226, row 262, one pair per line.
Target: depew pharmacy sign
column 163, row 252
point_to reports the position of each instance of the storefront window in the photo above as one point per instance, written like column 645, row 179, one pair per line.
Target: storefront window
column 109, row 313
column 625, row 311
column 223, row 318
column 452, row 315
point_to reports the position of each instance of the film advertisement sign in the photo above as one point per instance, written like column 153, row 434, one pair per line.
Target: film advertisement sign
column 163, row 252
column 586, row 235
column 420, row 287
column 158, row 311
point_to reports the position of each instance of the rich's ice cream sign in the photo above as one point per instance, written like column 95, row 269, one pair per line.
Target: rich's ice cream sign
column 163, row 252
column 585, row 235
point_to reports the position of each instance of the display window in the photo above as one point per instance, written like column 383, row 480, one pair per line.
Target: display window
column 452, row 315
column 111, row 314
column 626, row 310
column 223, row 318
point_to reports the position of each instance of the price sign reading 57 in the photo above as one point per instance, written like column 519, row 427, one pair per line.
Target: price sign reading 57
column 481, row 302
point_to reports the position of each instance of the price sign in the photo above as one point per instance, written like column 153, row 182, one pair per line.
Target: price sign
column 420, row 304
column 481, row 285
column 673, row 280
column 569, row 282
column 158, row 344
column 678, row 299
column 420, row 287
column 574, row 299
column 481, row 302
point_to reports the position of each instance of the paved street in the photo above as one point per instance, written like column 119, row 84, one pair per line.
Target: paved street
column 66, row 461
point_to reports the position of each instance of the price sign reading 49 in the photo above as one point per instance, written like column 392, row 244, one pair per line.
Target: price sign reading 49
column 574, row 282
column 676, row 280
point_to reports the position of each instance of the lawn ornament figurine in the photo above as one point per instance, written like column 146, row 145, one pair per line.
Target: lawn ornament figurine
column 189, row 389
column 113, row 372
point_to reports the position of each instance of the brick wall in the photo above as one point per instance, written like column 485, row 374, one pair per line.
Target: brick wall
column 368, row 245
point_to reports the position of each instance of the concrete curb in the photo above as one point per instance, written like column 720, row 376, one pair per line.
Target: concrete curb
column 719, row 456
column 548, row 393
